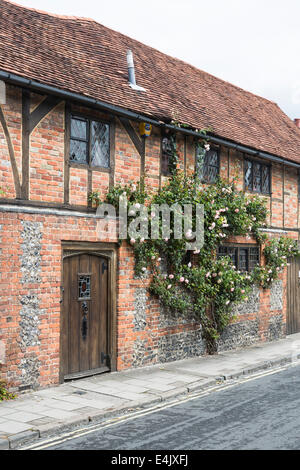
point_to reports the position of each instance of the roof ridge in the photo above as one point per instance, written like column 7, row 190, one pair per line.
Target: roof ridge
column 92, row 20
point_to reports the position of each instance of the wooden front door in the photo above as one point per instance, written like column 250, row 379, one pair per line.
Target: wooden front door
column 293, row 297
column 85, row 320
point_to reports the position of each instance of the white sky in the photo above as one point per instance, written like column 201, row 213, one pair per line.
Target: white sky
column 254, row 44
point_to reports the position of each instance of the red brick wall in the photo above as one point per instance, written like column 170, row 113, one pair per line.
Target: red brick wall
column 136, row 345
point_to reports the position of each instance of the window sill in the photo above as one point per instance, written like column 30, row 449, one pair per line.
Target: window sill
column 257, row 193
column 102, row 169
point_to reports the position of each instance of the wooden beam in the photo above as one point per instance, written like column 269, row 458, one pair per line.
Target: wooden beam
column 67, row 153
column 29, row 121
column 143, row 157
column 136, row 140
column 41, row 111
column 112, row 154
column 25, row 143
column 11, row 155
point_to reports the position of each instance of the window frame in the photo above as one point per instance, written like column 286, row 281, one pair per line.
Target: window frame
column 217, row 150
column 88, row 120
column 237, row 247
column 262, row 164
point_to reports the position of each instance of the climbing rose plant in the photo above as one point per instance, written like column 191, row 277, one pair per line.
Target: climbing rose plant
column 205, row 285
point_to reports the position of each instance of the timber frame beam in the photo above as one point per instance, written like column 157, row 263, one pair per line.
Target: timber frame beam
column 137, row 141
column 29, row 121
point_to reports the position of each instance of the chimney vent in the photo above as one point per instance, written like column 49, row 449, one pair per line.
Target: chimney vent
column 297, row 122
column 131, row 72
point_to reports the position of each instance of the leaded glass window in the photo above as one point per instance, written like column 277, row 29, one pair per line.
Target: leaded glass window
column 253, row 258
column 90, row 142
column 244, row 258
column 228, row 251
column 265, row 179
column 257, row 176
column 84, row 286
column 79, row 140
column 207, row 164
column 248, row 174
column 100, row 144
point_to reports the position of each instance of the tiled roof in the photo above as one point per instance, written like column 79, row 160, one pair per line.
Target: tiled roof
column 83, row 56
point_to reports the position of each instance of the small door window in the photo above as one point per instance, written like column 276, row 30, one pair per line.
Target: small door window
column 84, row 286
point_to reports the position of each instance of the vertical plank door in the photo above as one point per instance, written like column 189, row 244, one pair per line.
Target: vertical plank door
column 85, row 325
column 293, row 297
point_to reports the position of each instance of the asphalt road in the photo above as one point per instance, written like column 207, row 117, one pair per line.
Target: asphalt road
column 257, row 414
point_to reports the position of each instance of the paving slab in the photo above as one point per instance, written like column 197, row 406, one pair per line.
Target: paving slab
column 48, row 412
column 13, row 427
column 23, row 416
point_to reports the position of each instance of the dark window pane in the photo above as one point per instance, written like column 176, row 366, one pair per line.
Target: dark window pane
column 165, row 164
column 212, row 156
column 232, row 252
column 222, row 251
column 243, row 262
column 84, row 286
column 210, row 167
column 167, row 145
column 248, row 257
column 168, row 149
column 228, row 251
column 211, row 174
column 78, row 129
column 78, row 151
column 200, row 160
column 248, row 174
column 100, row 144
column 265, row 179
column 257, row 177
column 253, row 258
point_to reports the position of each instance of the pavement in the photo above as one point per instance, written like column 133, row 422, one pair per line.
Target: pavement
column 35, row 416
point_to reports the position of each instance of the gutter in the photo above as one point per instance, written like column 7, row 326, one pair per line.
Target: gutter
column 67, row 95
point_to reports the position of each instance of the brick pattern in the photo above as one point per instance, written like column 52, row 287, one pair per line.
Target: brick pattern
column 154, row 339
column 47, row 158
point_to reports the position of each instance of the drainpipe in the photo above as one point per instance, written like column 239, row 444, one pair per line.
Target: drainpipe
column 85, row 100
